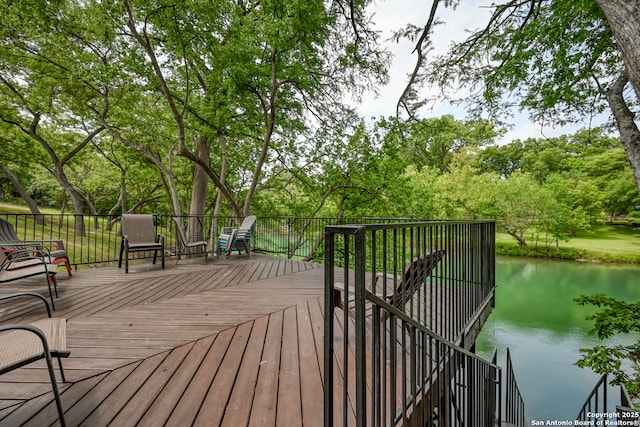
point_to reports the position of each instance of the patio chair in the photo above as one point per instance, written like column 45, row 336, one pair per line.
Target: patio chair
column 138, row 235
column 232, row 239
column 413, row 277
column 20, row 264
column 10, row 242
column 193, row 241
column 22, row 344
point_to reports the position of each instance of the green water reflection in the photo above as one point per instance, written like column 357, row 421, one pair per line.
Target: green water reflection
column 536, row 318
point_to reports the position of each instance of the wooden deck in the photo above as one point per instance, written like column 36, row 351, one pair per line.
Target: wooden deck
column 233, row 342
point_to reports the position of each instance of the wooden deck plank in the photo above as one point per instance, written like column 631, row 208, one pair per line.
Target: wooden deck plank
column 49, row 414
column 263, row 410
column 289, row 410
column 316, row 315
column 138, row 404
column 311, row 387
column 190, row 402
column 44, row 408
column 162, row 407
column 232, row 342
column 123, row 392
column 243, row 392
column 93, row 399
column 215, row 401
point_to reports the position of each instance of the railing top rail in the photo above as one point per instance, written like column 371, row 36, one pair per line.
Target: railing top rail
column 350, row 228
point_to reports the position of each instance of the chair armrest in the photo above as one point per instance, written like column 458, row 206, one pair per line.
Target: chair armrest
column 24, row 246
column 196, row 238
column 28, row 294
column 57, row 244
column 15, row 256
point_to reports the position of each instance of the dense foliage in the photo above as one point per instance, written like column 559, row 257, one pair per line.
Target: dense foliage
column 620, row 360
column 540, row 191
column 233, row 107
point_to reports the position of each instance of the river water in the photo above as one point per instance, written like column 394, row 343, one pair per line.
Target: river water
column 537, row 319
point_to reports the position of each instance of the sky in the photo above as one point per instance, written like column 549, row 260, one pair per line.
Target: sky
column 391, row 15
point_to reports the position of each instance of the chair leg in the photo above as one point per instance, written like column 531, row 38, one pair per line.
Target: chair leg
column 68, row 265
column 54, row 386
column 64, row 379
column 55, row 284
column 48, row 279
column 120, row 257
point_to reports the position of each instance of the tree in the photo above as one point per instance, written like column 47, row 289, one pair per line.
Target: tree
column 621, row 360
column 464, row 192
column 562, row 61
column 578, row 205
column 33, row 91
column 248, row 78
column 226, row 86
column 433, row 142
column 15, row 159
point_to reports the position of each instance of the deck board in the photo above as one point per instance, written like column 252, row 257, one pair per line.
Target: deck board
column 235, row 341
column 157, row 346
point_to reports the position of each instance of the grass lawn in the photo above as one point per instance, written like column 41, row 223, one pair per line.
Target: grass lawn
column 610, row 243
column 10, row 208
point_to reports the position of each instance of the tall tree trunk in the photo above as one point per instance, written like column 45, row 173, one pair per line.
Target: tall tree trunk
column 78, row 205
column 199, row 188
column 58, row 168
column 624, row 21
column 144, row 39
column 213, row 233
column 122, row 201
column 31, row 204
column 629, row 132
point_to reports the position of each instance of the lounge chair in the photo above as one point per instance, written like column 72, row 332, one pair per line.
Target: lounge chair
column 20, row 264
column 138, row 234
column 232, row 239
column 193, row 241
column 10, row 242
column 21, row 344
column 413, row 277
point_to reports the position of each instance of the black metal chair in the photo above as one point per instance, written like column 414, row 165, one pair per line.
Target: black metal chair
column 138, row 234
column 10, row 242
column 22, row 344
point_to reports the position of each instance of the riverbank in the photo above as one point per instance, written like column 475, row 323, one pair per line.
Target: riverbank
column 605, row 244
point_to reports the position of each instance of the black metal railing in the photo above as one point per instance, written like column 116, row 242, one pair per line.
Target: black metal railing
column 599, row 406
column 97, row 240
column 514, row 404
column 596, row 402
column 390, row 365
column 428, row 371
column 628, row 414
